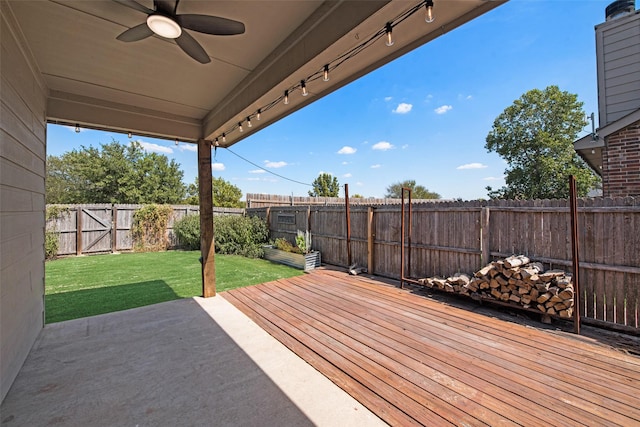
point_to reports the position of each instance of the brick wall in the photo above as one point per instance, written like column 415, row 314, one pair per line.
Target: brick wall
column 621, row 163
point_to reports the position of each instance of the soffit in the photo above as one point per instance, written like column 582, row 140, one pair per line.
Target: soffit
column 151, row 87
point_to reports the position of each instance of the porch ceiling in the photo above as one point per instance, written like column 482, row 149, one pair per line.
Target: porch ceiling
column 151, row 87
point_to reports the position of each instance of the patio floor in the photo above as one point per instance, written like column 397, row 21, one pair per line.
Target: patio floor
column 190, row 362
column 412, row 360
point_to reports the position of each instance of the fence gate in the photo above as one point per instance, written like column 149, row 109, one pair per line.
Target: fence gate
column 94, row 224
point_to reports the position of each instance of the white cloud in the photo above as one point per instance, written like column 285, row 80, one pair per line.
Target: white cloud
column 360, row 184
column 275, row 165
column 188, row 147
column 376, row 166
column 347, row 150
column 258, row 171
column 492, row 178
column 403, row 108
column 347, row 175
column 443, row 109
column 405, row 146
column 217, row 166
column 155, row 148
column 345, row 163
column 383, row 146
column 471, row 166
column 388, row 98
column 469, row 97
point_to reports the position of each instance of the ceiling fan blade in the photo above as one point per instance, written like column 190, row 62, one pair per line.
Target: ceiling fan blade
column 165, row 6
column 136, row 33
column 192, row 48
column 134, row 5
column 210, row 24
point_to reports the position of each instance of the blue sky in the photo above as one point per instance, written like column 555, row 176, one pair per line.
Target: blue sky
column 424, row 116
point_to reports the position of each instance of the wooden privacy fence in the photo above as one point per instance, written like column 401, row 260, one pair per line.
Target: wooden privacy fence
column 455, row 237
column 100, row 228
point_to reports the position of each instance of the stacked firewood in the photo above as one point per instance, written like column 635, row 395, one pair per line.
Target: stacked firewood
column 514, row 280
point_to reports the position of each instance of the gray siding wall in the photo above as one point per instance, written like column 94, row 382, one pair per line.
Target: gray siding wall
column 22, row 201
column 618, row 60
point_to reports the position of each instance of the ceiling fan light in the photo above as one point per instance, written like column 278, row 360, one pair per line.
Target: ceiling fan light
column 164, row 26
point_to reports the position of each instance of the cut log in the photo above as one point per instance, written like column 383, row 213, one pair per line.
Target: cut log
column 543, row 298
column 516, row 261
column 566, row 294
column 484, row 271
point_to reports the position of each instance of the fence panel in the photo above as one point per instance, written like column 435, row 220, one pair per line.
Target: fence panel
column 450, row 237
column 107, row 228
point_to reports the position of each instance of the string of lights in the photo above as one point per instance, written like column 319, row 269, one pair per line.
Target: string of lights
column 324, row 72
column 267, row 170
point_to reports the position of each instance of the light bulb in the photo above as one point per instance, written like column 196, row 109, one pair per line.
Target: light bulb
column 240, row 127
column 304, row 88
column 325, row 74
column 164, row 26
column 429, row 15
column 286, row 97
column 389, row 31
column 593, row 151
column 216, row 143
column 177, row 142
column 129, row 135
column 249, row 122
column 224, row 137
column 77, row 128
column 258, row 114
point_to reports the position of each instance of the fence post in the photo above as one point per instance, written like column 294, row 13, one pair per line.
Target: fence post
column 370, row 239
column 114, row 228
column 484, row 236
column 79, row 230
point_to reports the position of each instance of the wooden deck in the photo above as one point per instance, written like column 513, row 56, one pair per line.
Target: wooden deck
column 415, row 361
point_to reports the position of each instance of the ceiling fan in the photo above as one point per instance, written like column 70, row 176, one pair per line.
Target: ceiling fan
column 165, row 22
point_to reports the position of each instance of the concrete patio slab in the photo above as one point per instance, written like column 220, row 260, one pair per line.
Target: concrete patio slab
column 191, row 362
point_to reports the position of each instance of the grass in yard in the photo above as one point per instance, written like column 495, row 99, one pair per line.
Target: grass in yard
column 86, row 286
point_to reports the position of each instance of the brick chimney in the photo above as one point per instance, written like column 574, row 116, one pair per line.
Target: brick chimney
column 613, row 150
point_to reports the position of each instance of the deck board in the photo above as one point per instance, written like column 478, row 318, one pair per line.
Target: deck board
column 415, row 361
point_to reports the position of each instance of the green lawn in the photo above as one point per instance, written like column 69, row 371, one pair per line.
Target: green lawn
column 86, row 286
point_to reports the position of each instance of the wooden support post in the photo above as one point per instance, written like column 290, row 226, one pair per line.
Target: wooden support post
column 573, row 194
column 79, row 231
column 484, row 237
column 207, row 247
column 370, row 240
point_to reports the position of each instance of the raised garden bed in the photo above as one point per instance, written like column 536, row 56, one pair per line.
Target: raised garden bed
column 304, row 262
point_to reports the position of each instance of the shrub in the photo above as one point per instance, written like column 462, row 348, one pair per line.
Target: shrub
column 150, row 228
column 240, row 235
column 51, row 244
column 187, row 230
column 234, row 234
column 51, row 234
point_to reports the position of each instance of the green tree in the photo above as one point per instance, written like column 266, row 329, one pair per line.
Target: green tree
column 394, row 191
column 113, row 173
column 325, row 185
column 225, row 194
column 535, row 137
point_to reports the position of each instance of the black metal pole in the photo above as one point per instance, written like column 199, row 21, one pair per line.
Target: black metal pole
column 575, row 253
